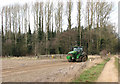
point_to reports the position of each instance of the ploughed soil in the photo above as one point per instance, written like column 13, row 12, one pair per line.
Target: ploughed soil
column 45, row 70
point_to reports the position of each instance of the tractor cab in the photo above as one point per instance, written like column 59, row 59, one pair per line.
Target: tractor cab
column 78, row 49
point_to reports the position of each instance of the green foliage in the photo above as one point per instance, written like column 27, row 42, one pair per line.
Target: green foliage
column 60, row 42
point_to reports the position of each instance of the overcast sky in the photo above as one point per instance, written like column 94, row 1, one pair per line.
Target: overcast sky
column 113, row 16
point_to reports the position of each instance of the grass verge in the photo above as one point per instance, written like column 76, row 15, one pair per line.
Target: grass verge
column 93, row 73
column 117, row 63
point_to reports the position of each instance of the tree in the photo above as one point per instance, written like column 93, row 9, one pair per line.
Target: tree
column 103, row 9
column 88, row 24
column 25, row 22
column 69, row 10
column 48, row 36
column 79, row 23
column 48, row 15
column 40, row 29
column 2, row 24
column 29, row 41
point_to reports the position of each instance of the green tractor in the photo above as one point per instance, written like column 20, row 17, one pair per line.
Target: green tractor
column 77, row 54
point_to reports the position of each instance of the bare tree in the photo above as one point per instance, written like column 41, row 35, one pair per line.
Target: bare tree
column 25, row 8
column 69, row 10
column 6, row 21
column 87, row 19
column 52, row 19
column 58, row 17
column 15, row 22
column 2, row 24
column 18, row 19
column 48, row 15
column 61, row 15
column 22, row 19
column 42, row 15
column 40, row 28
column 36, row 12
column 79, row 21
column 102, row 11
column 58, row 20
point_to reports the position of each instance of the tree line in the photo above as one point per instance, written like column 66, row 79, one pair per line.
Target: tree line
column 49, row 36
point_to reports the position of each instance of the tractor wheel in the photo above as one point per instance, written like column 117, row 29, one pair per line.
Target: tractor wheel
column 73, row 60
column 80, row 59
column 69, row 60
column 84, row 59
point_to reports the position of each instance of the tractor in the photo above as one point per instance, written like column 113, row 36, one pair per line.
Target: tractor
column 77, row 54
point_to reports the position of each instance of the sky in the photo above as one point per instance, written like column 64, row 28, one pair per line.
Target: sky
column 113, row 15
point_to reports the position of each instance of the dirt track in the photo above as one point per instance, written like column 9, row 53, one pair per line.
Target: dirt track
column 109, row 73
column 42, row 70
